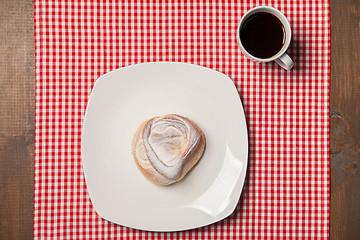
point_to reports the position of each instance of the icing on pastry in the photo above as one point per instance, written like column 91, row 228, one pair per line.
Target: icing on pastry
column 168, row 147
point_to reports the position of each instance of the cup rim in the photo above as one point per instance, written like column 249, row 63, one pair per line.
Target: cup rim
column 288, row 34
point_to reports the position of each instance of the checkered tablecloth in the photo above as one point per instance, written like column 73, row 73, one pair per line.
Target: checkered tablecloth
column 286, row 194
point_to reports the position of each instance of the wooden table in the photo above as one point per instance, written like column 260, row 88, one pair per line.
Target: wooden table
column 17, row 119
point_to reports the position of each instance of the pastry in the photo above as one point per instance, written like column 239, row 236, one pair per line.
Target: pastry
column 166, row 148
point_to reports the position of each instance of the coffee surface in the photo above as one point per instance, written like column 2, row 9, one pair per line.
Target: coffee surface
column 262, row 35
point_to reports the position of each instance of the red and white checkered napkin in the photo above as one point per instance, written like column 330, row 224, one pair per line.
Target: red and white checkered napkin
column 286, row 195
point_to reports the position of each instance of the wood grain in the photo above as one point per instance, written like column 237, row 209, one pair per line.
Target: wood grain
column 345, row 120
column 17, row 107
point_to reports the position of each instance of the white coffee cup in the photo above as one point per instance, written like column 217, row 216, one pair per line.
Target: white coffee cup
column 281, row 57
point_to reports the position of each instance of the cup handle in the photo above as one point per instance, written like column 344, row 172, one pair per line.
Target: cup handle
column 285, row 61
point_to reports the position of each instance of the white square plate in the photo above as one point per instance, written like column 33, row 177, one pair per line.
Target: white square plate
column 120, row 101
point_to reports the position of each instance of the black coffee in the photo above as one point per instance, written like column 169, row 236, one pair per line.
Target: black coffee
column 262, row 35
